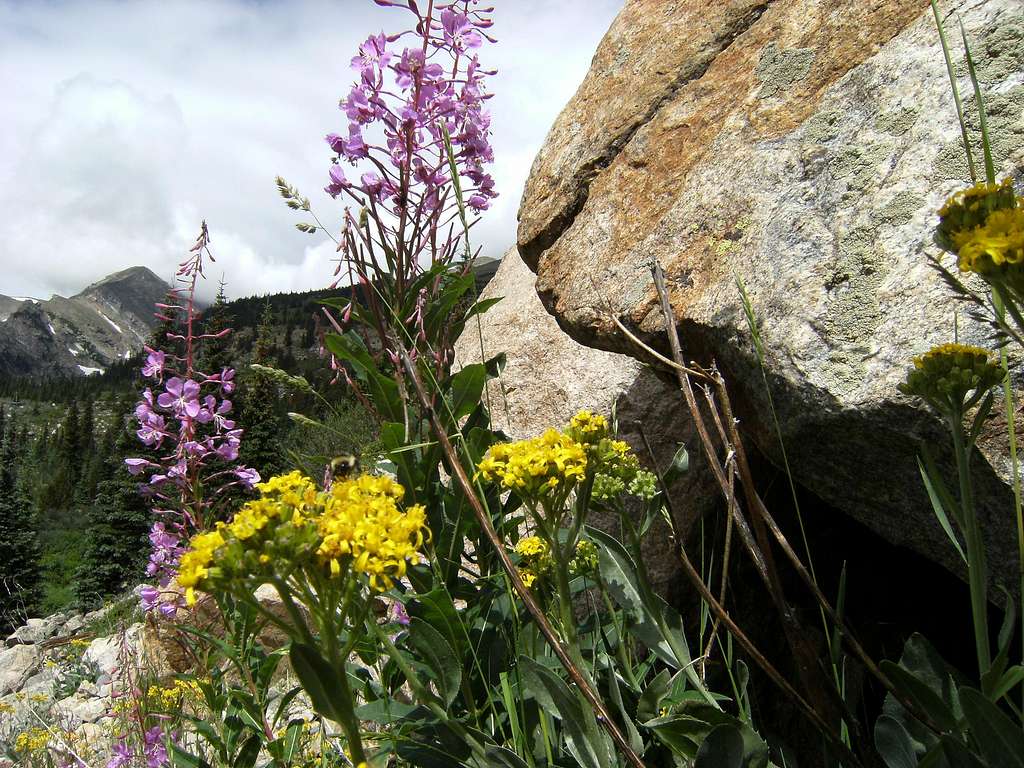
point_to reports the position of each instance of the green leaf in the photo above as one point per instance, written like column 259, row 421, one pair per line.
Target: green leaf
column 650, row 619
column 722, row 748
column 437, row 609
column 383, row 390
column 317, row 677
column 940, row 498
column 636, row 743
column 246, row 757
column 504, row 758
column 994, row 676
column 999, row 740
column 680, row 733
column 482, row 306
column 496, row 364
column 582, row 737
column 649, row 706
column 929, row 669
column 267, row 667
column 894, row 743
column 466, row 387
column 282, row 705
column 291, row 741
column 1010, row 679
column 680, row 464
column 438, row 655
column 921, row 694
column 185, row 759
column 685, row 730
column 386, row 711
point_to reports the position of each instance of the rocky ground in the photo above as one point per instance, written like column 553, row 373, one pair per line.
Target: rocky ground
column 67, row 680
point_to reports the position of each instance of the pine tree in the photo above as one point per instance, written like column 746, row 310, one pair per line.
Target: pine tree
column 71, row 442
column 19, row 542
column 261, row 413
column 87, row 438
column 117, row 523
column 213, row 353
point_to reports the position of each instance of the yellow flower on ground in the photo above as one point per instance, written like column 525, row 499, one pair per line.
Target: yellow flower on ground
column 34, row 741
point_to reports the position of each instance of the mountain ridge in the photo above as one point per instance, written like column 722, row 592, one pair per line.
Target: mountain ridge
column 108, row 320
column 111, row 319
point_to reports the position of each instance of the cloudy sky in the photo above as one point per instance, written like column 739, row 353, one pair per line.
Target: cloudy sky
column 125, row 122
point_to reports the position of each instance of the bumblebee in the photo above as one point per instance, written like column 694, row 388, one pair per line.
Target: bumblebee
column 343, row 466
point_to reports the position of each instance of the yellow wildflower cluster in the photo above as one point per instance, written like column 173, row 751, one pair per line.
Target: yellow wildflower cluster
column 587, row 427
column 537, row 562
column 173, row 695
column 361, row 521
column 548, row 466
column 34, row 741
column 994, row 245
column 984, row 226
column 946, row 374
column 357, row 524
column 536, row 559
column 532, row 546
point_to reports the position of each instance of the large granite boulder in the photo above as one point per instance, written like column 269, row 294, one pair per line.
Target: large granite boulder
column 803, row 145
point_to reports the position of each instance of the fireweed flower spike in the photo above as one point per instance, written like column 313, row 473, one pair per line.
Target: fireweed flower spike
column 415, row 94
column 186, row 415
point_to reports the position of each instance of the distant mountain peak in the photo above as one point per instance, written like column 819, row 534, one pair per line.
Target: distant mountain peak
column 107, row 321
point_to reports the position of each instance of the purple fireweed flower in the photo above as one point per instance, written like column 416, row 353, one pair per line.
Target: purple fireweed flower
column 338, row 182
column 182, row 396
column 155, row 747
column 399, row 614
column 188, row 421
column 155, row 362
column 122, row 754
column 228, row 451
column 166, row 549
column 373, row 54
column 247, row 476
column 459, row 32
column 135, row 466
column 149, row 596
column 353, row 148
column 152, row 432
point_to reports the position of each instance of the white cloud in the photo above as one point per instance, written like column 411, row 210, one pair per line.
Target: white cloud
column 129, row 122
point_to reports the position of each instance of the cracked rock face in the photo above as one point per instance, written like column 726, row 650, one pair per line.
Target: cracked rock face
column 803, row 145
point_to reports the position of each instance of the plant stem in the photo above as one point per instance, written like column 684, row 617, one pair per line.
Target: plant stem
column 350, row 723
column 977, row 572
